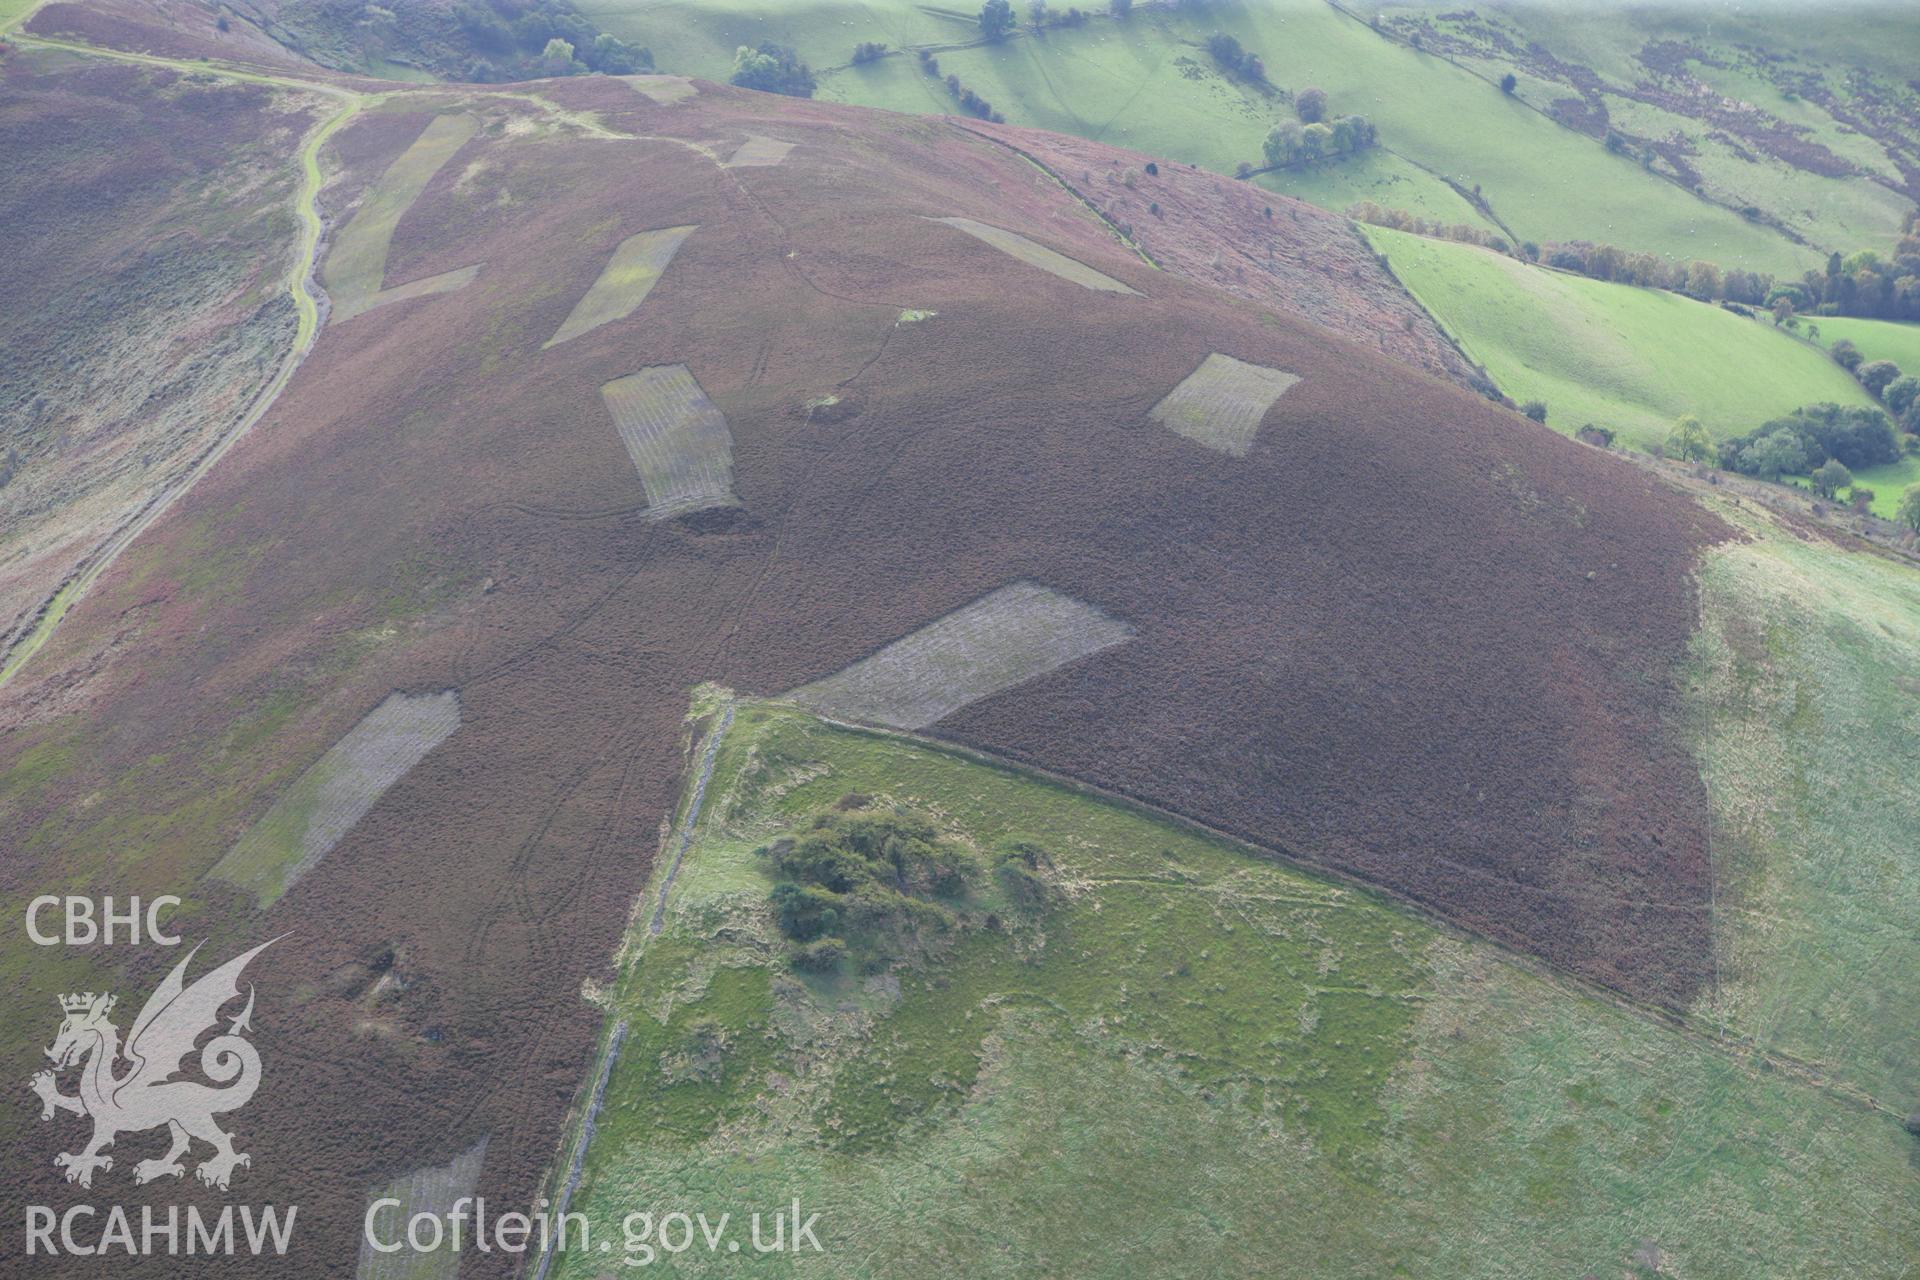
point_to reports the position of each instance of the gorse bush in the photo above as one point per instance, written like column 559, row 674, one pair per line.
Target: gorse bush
column 1235, row 60
column 879, row 887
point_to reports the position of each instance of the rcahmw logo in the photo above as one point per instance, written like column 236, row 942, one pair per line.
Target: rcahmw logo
column 136, row 1086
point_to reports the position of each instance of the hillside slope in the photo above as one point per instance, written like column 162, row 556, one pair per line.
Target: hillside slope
column 148, row 230
column 892, row 383
column 1629, row 359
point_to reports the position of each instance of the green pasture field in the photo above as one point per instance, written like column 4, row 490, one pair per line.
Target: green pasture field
column 1614, row 355
column 1191, row 1060
column 1148, row 83
column 1877, row 339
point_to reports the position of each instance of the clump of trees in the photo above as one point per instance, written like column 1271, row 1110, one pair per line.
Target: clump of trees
column 1830, row 477
column 1236, row 61
column 772, row 68
column 547, row 38
column 1902, row 398
column 996, row 19
column 972, row 103
column 1402, row 220
column 1310, row 105
column 1041, row 15
column 1884, row 381
column 1700, row 280
column 1291, row 143
column 1535, row 409
column 1908, row 513
column 1802, row 442
column 868, row 51
column 1865, row 283
column 1876, row 376
column 875, row 886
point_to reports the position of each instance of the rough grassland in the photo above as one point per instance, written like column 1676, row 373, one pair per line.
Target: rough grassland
column 1147, row 83
column 1805, row 682
column 424, row 1191
column 629, row 276
column 1131, row 1080
column 323, row 803
column 1630, row 359
column 1015, row 245
column 1221, row 403
column 679, row 442
column 356, row 267
column 1000, row 640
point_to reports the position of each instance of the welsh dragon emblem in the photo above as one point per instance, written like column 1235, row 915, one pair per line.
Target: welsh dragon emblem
column 147, row 1094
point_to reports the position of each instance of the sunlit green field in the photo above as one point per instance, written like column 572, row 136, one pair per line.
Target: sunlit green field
column 1877, row 339
column 1629, row 359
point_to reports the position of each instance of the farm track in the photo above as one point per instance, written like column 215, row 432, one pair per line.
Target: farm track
column 302, row 285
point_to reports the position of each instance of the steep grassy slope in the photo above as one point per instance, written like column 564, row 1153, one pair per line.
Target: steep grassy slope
column 441, row 502
column 1129, row 1078
column 1629, row 359
column 1804, row 682
column 1876, row 339
column 1148, row 83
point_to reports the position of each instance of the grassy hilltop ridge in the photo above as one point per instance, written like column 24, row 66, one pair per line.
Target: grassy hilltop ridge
column 1037, row 1092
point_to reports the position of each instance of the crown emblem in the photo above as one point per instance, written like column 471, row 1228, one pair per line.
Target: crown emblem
column 82, row 1001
